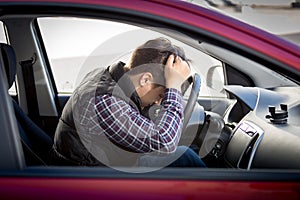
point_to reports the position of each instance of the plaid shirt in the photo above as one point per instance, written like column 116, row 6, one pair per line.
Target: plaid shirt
column 125, row 126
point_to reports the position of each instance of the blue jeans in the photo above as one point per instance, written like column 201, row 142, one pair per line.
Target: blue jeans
column 182, row 157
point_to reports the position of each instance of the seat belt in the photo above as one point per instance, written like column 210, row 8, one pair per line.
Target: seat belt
column 30, row 89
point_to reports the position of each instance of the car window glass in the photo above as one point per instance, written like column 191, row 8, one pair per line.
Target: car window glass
column 2, row 33
column 76, row 46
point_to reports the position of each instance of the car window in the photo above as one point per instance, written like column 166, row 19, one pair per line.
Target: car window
column 76, row 46
column 2, row 33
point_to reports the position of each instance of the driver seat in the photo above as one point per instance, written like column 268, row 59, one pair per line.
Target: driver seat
column 35, row 142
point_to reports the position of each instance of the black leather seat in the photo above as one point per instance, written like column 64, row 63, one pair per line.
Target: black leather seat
column 36, row 143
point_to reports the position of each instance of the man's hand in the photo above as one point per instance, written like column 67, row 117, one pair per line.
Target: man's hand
column 176, row 72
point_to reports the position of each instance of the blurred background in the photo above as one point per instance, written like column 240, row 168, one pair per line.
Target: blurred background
column 280, row 17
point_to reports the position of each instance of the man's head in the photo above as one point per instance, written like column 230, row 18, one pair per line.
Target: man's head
column 146, row 68
column 151, row 57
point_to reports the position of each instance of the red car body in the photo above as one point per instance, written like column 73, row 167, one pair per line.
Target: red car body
column 31, row 185
column 74, row 188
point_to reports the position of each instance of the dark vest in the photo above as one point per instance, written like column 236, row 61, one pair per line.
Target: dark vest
column 74, row 142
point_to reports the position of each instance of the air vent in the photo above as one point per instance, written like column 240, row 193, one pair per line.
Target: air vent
column 278, row 116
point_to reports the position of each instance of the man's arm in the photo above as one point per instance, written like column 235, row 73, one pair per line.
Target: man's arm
column 125, row 126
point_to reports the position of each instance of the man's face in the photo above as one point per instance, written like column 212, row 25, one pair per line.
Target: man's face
column 152, row 94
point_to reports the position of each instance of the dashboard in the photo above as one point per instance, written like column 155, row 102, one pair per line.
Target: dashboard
column 259, row 129
column 268, row 136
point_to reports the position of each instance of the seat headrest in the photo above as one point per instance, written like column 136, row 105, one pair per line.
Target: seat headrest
column 9, row 61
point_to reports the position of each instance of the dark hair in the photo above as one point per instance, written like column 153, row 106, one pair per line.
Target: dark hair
column 152, row 57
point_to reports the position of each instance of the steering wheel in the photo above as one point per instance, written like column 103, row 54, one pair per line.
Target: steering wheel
column 151, row 111
column 196, row 81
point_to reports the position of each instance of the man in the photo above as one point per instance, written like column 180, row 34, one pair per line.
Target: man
column 102, row 123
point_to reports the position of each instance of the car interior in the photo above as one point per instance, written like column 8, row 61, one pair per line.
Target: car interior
column 246, row 116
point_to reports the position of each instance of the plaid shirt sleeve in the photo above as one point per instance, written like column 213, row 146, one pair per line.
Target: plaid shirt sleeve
column 128, row 128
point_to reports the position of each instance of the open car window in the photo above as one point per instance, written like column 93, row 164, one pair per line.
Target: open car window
column 75, row 46
column 236, row 89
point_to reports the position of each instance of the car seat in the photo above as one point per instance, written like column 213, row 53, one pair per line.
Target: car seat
column 35, row 142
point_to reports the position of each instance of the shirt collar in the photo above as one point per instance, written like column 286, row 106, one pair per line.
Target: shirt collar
column 123, row 81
